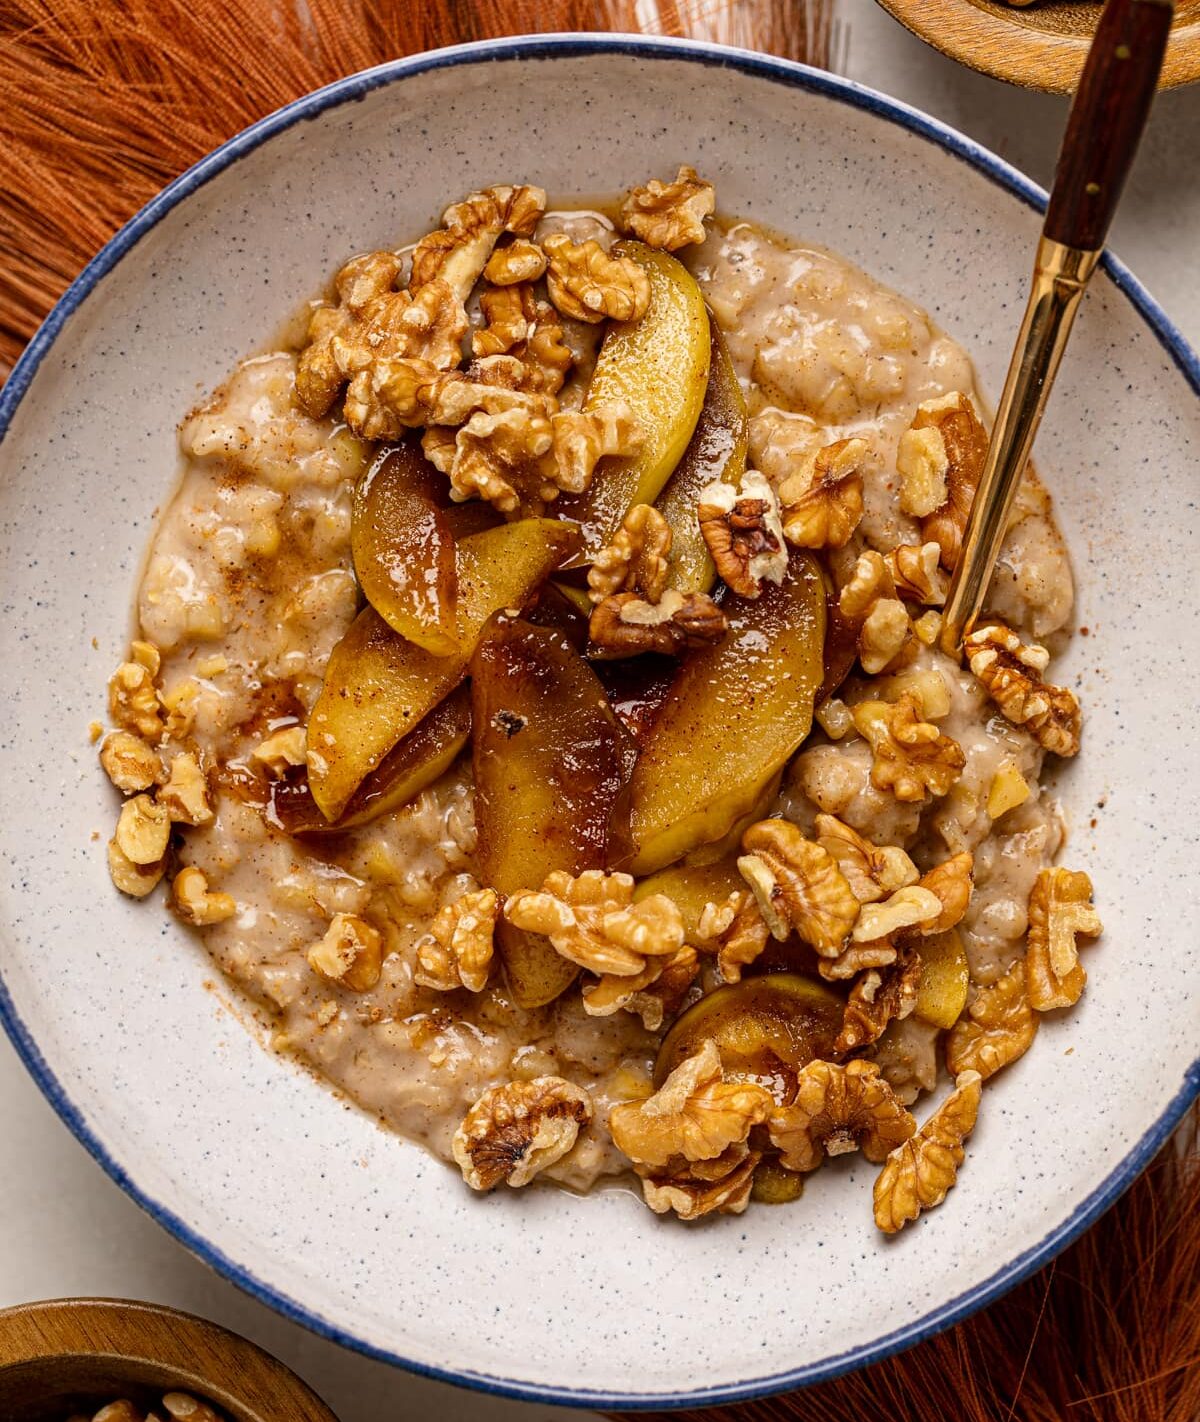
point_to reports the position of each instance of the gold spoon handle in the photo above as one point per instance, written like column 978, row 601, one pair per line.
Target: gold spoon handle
column 1105, row 124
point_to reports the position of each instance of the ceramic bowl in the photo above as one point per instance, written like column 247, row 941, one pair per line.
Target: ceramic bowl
column 260, row 1170
column 72, row 1356
column 1041, row 45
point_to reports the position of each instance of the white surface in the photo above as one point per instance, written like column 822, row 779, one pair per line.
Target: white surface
column 64, row 1229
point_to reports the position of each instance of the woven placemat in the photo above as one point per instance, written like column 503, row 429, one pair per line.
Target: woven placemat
column 102, row 102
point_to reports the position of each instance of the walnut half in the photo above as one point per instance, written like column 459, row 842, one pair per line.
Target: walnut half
column 920, row 1173
column 670, row 215
column 677, row 622
column 798, row 885
column 592, row 920
column 518, row 1129
column 839, row 1109
column 743, row 531
column 688, row 1140
column 460, row 953
column 588, row 284
column 1011, row 673
column 912, row 758
column 1060, row 910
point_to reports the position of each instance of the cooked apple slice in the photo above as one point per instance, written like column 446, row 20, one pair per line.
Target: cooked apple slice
column 945, row 974
column 735, row 714
column 659, row 367
column 414, row 762
column 637, row 687
column 378, row 685
column 404, row 550
column 550, row 758
column 717, row 450
column 768, row 1029
column 692, row 887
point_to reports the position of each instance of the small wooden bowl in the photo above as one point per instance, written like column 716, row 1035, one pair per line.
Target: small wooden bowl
column 1040, row 46
column 69, row 1355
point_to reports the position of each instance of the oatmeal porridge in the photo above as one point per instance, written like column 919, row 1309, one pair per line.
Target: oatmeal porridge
column 537, row 708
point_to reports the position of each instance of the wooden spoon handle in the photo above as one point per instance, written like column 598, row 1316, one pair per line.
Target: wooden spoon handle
column 1107, row 117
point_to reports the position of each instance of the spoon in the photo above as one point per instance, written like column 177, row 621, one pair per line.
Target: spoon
column 1105, row 125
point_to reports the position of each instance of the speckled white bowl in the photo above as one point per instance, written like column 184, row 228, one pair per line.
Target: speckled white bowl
column 257, row 1168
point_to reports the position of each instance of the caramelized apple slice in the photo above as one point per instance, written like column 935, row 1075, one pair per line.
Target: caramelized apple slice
column 549, row 759
column 767, row 1030
column 717, row 451
column 692, row 887
column 736, row 712
column 659, row 367
column 637, row 688
column 414, row 762
column 404, row 550
column 378, row 685
column 942, row 991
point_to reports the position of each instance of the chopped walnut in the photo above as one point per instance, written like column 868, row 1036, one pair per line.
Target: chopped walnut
column 521, row 261
column 695, row 1114
column 798, row 885
column 997, row 1028
column 460, row 953
column 523, row 453
column 511, row 315
column 823, row 502
column 743, row 531
column 670, row 215
column 136, row 880
column 880, row 996
column 129, row 762
column 587, row 284
column 838, row 1109
column 656, row 993
column 350, row 954
column 869, row 603
column 365, row 283
column 429, row 328
column 858, row 958
column 516, row 1130
column 737, row 931
column 920, row 1173
column 1060, row 909
column 872, row 871
column 692, row 1193
column 910, row 907
column 460, row 251
column 184, row 794
column 279, row 752
column 912, row 758
column 143, row 830
column 951, row 882
column 917, row 573
column 941, row 457
column 677, row 622
column 133, row 701
column 584, row 437
column 372, row 324
column 498, row 458
column 592, row 920
column 197, row 903
column 636, row 559
column 1011, row 673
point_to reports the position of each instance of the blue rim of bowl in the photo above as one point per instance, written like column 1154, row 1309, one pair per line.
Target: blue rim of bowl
column 790, row 75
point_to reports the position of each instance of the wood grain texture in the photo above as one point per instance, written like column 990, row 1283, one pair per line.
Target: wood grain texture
column 1107, row 118
column 66, row 1354
column 1040, row 47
